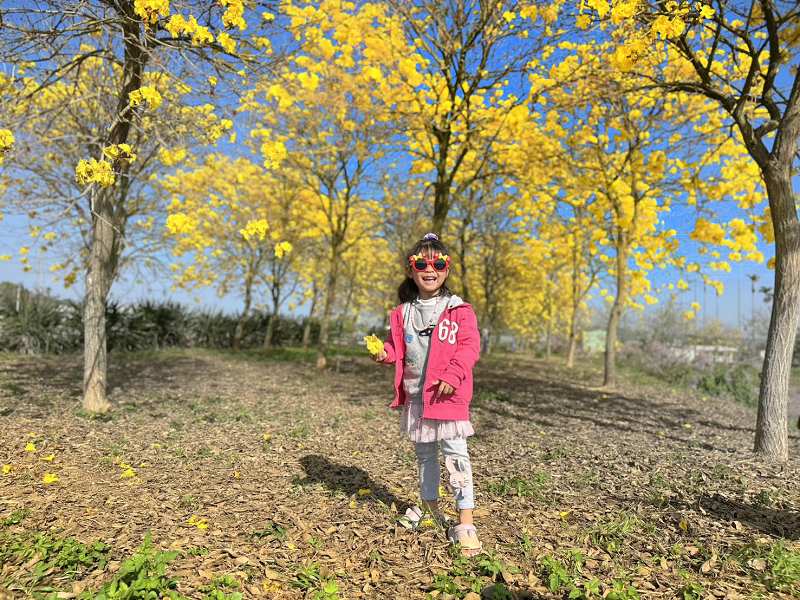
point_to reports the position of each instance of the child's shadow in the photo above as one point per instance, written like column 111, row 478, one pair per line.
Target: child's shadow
column 342, row 478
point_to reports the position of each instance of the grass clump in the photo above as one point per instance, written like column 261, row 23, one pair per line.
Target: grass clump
column 54, row 557
column 534, row 486
column 775, row 564
column 143, row 575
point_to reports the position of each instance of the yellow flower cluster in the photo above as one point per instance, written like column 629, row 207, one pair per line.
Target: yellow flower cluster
column 6, row 142
column 94, row 171
column 119, row 152
column 151, row 10
column 180, row 224
column 374, row 344
column 179, row 25
column 226, row 42
column 147, row 94
column 234, row 14
column 282, row 248
column 255, row 229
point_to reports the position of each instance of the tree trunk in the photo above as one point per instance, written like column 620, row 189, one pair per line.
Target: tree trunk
column 575, row 304
column 441, row 187
column 108, row 221
column 307, row 326
column 238, row 333
column 610, row 368
column 773, row 399
column 269, row 334
column 573, row 344
column 330, row 297
column 102, row 257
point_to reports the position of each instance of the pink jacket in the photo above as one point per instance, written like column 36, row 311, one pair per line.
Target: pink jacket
column 454, row 349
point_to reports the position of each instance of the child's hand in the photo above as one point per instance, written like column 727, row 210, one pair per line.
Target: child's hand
column 380, row 356
column 444, row 389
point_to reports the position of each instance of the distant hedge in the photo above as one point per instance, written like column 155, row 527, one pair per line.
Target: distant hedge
column 34, row 323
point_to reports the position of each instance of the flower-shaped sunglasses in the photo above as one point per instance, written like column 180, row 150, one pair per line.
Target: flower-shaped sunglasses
column 419, row 263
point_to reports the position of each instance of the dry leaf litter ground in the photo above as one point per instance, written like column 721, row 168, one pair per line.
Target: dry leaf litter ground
column 288, row 481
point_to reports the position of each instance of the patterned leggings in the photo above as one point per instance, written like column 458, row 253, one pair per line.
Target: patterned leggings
column 458, row 467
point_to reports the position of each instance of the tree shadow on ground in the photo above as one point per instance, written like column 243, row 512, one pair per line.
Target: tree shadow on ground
column 773, row 521
column 544, row 403
column 29, row 381
column 346, row 479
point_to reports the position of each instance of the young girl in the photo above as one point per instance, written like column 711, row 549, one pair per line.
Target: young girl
column 434, row 343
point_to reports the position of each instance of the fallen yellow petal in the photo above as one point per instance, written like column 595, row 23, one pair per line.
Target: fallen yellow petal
column 127, row 473
column 49, row 457
column 7, row 469
column 30, row 447
column 364, row 492
column 49, row 478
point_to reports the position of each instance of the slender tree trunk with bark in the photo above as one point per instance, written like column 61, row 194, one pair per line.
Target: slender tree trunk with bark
column 307, row 326
column 610, row 366
column 573, row 317
column 108, row 221
column 269, row 334
column 238, row 333
column 327, row 310
column 441, row 187
column 772, row 421
column 99, row 275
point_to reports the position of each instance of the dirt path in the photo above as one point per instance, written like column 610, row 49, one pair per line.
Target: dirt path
column 288, row 481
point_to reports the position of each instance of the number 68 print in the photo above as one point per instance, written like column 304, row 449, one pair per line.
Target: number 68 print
column 447, row 331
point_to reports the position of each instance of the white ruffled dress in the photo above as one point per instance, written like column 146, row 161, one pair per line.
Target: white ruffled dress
column 421, row 316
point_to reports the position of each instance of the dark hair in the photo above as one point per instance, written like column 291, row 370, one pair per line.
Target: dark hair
column 429, row 244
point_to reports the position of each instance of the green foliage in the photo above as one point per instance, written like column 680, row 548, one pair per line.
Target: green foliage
column 15, row 517
column 564, row 575
column 309, row 578
column 61, row 556
column 143, row 575
column 622, row 590
column 776, row 564
column 221, row 588
column 739, row 382
column 519, row 486
column 36, row 323
column 609, row 533
column 271, row 530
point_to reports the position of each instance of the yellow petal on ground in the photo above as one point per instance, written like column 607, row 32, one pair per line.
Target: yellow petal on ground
column 48, row 478
column 7, row 469
column 364, row 492
column 49, row 457
column 30, row 447
column 127, row 473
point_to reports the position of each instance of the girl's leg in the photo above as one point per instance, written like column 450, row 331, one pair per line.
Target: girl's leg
column 429, row 473
column 460, row 470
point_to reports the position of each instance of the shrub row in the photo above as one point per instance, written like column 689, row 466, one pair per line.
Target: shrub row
column 34, row 323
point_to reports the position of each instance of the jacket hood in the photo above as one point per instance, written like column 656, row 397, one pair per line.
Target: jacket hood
column 454, row 301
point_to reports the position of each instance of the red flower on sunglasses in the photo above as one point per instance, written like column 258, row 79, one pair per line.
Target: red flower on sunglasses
column 419, row 263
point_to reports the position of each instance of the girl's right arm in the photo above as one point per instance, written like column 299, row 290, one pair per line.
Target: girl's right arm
column 389, row 354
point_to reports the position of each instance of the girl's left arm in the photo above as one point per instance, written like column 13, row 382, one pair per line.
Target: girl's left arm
column 468, row 349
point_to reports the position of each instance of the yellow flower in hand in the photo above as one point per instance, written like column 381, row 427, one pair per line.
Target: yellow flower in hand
column 374, row 344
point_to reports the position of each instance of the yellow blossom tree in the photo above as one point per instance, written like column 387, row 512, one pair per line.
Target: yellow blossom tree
column 140, row 38
column 738, row 56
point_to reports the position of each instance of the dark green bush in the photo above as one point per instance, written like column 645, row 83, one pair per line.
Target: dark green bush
column 34, row 323
column 739, row 382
